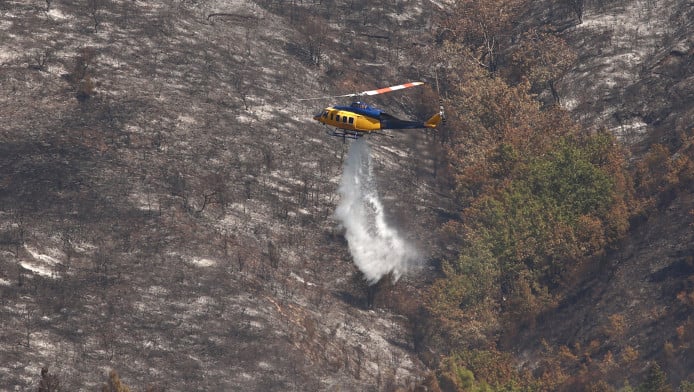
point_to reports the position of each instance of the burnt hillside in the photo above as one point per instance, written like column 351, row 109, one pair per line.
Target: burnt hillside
column 167, row 202
column 635, row 64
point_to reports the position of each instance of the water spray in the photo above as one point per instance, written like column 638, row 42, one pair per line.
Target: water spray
column 376, row 247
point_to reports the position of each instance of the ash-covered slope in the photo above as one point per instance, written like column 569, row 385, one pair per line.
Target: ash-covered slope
column 166, row 206
column 635, row 69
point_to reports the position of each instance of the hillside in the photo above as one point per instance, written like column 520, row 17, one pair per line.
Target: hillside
column 635, row 69
column 635, row 77
column 167, row 204
column 168, row 207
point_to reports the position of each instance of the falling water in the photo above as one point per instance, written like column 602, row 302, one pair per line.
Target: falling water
column 376, row 247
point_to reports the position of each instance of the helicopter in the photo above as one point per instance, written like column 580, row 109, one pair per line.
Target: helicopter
column 358, row 119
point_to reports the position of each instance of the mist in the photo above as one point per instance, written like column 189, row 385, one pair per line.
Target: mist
column 377, row 248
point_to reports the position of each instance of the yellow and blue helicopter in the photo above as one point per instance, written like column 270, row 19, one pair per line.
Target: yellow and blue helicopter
column 359, row 119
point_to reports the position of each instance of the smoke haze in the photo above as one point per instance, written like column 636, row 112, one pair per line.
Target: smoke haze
column 377, row 248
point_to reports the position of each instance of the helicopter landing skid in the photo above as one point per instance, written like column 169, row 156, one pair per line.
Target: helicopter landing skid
column 344, row 134
column 354, row 135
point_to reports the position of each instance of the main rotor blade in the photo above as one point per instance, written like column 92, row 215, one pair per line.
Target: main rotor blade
column 328, row 97
column 389, row 89
column 371, row 92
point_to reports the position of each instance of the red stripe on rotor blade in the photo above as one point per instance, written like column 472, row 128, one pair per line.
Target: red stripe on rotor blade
column 392, row 88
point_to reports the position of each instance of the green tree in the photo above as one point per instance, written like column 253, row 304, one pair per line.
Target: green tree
column 536, row 199
column 537, row 196
column 463, row 302
column 546, row 215
column 482, row 371
column 656, row 381
column 686, row 386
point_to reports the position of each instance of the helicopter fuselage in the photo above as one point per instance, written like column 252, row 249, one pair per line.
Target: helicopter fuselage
column 359, row 118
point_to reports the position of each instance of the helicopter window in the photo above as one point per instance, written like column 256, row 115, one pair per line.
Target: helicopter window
column 351, row 120
column 344, row 119
column 337, row 117
column 325, row 114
